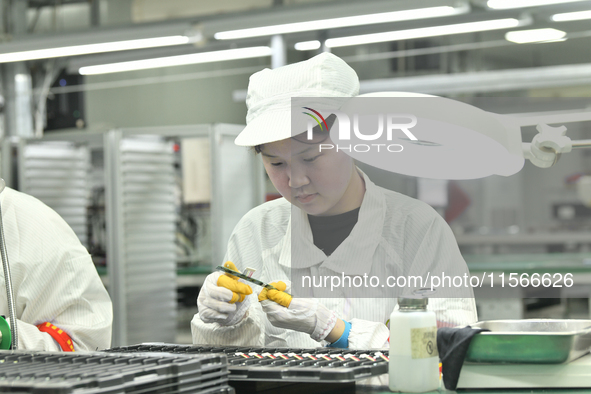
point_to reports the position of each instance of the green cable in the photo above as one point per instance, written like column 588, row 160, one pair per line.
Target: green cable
column 6, row 336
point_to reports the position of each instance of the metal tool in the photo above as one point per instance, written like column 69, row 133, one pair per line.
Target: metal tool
column 246, row 278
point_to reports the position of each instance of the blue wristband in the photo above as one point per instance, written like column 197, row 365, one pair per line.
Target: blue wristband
column 343, row 341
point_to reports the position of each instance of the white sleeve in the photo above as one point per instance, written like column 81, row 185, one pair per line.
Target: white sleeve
column 72, row 297
column 68, row 294
column 431, row 249
column 452, row 312
column 29, row 337
column 366, row 334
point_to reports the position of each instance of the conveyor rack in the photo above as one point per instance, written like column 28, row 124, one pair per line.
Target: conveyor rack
column 284, row 364
column 92, row 372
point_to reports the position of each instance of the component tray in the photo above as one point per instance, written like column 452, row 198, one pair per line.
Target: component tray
column 315, row 365
column 24, row 371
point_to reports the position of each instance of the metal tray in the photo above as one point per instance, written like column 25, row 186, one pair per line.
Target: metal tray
column 531, row 341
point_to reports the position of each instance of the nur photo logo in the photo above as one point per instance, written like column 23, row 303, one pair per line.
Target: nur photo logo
column 375, row 128
column 316, row 119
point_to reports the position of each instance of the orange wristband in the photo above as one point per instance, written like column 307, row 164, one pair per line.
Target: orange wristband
column 59, row 335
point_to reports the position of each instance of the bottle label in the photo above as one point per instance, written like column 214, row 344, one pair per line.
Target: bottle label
column 424, row 342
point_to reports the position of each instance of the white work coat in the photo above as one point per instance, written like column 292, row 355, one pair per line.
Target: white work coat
column 53, row 278
column 394, row 235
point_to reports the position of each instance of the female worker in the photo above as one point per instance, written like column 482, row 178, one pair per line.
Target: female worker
column 332, row 220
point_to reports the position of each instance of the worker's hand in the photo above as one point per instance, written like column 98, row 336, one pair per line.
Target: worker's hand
column 279, row 295
column 223, row 299
column 298, row 314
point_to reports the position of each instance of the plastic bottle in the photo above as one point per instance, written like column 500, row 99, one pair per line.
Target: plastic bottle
column 414, row 359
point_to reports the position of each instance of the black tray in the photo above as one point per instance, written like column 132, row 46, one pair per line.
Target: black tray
column 93, row 372
column 313, row 365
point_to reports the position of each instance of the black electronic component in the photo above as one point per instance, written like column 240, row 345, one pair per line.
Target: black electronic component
column 66, row 110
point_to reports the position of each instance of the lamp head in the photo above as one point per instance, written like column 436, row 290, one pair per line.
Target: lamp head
column 437, row 137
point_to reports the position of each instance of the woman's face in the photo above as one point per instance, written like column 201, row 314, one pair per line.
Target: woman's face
column 320, row 183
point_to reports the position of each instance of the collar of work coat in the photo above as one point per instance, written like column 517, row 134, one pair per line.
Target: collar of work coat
column 355, row 255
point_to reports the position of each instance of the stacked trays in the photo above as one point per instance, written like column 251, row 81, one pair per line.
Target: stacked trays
column 284, row 364
column 89, row 373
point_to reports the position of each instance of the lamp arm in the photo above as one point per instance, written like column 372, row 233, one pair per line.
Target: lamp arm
column 8, row 281
column 9, row 290
column 581, row 144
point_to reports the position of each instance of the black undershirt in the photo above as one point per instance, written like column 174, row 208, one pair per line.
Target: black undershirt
column 330, row 231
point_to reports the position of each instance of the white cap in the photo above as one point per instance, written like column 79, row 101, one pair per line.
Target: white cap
column 270, row 92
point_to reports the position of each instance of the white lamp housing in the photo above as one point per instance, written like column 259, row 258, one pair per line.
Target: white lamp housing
column 454, row 140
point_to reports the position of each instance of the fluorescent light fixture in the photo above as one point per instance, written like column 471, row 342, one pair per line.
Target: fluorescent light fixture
column 572, row 16
column 307, row 45
column 203, row 57
column 508, row 4
column 358, row 20
column 93, row 48
column 422, row 32
column 534, row 35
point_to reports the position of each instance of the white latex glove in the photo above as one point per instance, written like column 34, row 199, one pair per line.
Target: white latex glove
column 301, row 314
column 219, row 299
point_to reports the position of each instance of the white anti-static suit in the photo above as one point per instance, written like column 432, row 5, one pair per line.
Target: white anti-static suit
column 53, row 278
column 395, row 233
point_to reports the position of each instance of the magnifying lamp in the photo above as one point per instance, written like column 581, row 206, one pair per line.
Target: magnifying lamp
column 8, row 283
column 452, row 140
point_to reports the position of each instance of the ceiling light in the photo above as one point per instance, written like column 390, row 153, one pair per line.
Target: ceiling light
column 323, row 24
column 422, row 32
column 534, row 35
column 572, row 16
column 507, row 4
column 86, row 49
column 203, row 57
column 307, row 45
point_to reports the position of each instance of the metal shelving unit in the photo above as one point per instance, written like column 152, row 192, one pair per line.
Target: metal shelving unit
column 57, row 174
column 141, row 211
